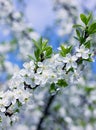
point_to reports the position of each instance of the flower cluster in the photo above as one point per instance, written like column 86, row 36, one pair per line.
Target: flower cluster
column 54, row 72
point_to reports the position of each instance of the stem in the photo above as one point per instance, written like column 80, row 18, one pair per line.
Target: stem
column 46, row 111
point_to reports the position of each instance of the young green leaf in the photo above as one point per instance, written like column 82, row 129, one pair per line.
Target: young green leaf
column 87, row 44
column 48, row 51
column 92, row 28
column 83, row 18
column 52, row 88
column 78, row 33
column 76, row 38
column 62, row 83
column 40, row 43
column 35, row 43
column 65, row 50
column 44, row 44
column 77, row 26
column 89, row 17
column 89, row 89
column 37, row 54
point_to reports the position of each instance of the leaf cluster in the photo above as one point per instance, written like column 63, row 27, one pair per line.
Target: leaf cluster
column 42, row 50
column 85, row 31
column 65, row 50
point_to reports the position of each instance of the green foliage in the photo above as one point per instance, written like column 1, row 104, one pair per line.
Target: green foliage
column 89, row 89
column 19, row 103
column 57, row 107
column 82, row 123
column 77, row 26
column 0, row 119
column 0, row 97
column 88, row 44
column 37, row 54
column 30, row 30
column 11, row 123
column 83, row 18
column 92, row 28
column 17, row 110
column 52, row 88
column 65, row 50
column 62, row 83
column 85, row 31
column 89, row 59
column 86, row 19
column 42, row 50
column 78, row 33
column 48, row 51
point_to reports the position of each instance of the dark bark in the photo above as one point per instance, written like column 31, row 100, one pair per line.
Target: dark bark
column 46, row 111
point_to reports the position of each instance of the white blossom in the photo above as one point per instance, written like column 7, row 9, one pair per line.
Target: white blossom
column 82, row 52
column 70, row 61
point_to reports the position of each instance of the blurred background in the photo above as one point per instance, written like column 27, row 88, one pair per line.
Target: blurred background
column 24, row 20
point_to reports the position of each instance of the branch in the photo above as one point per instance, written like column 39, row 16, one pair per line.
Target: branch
column 46, row 111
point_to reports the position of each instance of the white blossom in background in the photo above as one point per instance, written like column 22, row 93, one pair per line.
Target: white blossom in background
column 67, row 13
column 13, row 23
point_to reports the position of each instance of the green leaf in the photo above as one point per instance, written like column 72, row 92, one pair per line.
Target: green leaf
column 17, row 110
column 89, row 60
column 52, row 88
column 90, row 107
column 77, row 26
column 11, row 123
column 0, row 119
column 82, row 40
column 65, row 50
column 92, row 120
column 89, row 17
column 87, row 44
column 19, row 103
column 44, row 44
column 62, row 83
column 83, row 18
column 57, row 107
column 40, row 43
column 37, row 54
column 89, row 89
column 35, row 43
column 76, row 38
column 77, row 32
column 48, row 50
column 30, row 30
column 69, row 49
column 79, row 61
column 92, row 28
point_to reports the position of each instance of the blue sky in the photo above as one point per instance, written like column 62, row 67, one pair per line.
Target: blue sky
column 40, row 14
